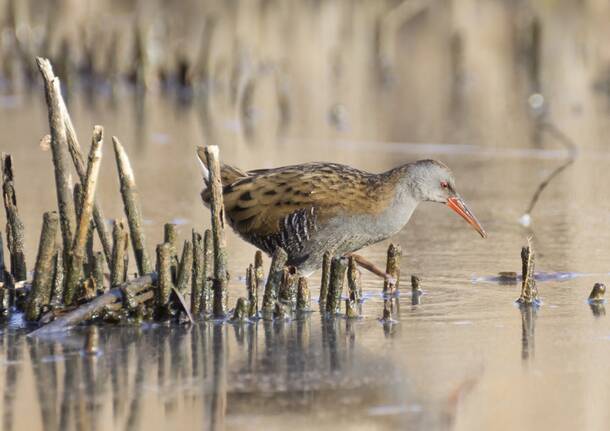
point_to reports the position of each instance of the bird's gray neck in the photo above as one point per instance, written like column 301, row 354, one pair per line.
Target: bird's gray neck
column 409, row 186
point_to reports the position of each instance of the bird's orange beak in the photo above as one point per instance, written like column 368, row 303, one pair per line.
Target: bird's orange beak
column 459, row 206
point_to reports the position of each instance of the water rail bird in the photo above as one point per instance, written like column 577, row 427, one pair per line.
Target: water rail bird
column 310, row 208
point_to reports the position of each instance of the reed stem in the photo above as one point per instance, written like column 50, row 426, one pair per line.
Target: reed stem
column 129, row 192
column 43, row 275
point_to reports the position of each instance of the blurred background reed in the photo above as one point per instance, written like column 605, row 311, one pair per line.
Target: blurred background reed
column 459, row 71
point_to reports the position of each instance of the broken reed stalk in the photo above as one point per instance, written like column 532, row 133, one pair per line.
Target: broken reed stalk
column 78, row 201
column 119, row 250
column 393, row 269
column 96, row 306
column 529, row 291
column 14, row 225
column 164, row 285
column 170, row 236
column 218, row 233
column 274, row 279
column 185, row 267
column 77, row 255
column 252, row 286
column 303, row 296
column 197, row 274
column 259, row 271
column 254, row 280
column 288, row 287
column 59, row 149
column 77, row 158
column 326, row 259
column 338, row 268
column 354, row 288
column 5, row 302
column 40, row 295
column 129, row 192
column 597, row 293
column 240, row 313
column 57, row 291
column 97, row 271
column 208, row 267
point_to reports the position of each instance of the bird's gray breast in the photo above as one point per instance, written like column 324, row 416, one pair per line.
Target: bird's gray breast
column 347, row 233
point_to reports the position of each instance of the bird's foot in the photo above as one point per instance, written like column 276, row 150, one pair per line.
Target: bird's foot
column 370, row 266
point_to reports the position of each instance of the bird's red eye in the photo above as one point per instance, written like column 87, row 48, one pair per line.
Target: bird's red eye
column 444, row 184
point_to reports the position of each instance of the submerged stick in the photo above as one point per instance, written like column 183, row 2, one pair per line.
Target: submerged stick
column 197, row 274
column 43, row 275
column 326, row 259
column 529, row 292
column 276, row 272
column 338, row 268
column 75, row 271
column 14, row 225
column 94, row 307
column 392, row 268
column 185, row 268
column 119, row 250
column 129, row 192
column 59, row 149
column 221, row 276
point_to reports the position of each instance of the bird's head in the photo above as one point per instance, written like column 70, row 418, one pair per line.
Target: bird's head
column 432, row 181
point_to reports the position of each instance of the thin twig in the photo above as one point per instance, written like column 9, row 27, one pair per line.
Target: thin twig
column 572, row 153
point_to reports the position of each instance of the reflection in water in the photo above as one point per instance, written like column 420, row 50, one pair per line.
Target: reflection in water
column 528, row 330
column 232, row 371
column 598, row 308
column 391, row 309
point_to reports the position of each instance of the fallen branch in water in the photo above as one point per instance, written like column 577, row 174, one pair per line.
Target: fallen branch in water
column 93, row 308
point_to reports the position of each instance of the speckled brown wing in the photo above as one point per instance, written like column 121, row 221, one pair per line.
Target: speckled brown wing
column 260, row 203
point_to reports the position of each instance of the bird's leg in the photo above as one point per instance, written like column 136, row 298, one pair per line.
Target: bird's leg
column 370, row 266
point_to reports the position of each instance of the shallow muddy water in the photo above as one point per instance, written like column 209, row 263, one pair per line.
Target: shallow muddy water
column 465, row 358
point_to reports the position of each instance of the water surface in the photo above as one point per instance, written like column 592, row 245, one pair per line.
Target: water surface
column 465, row 358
